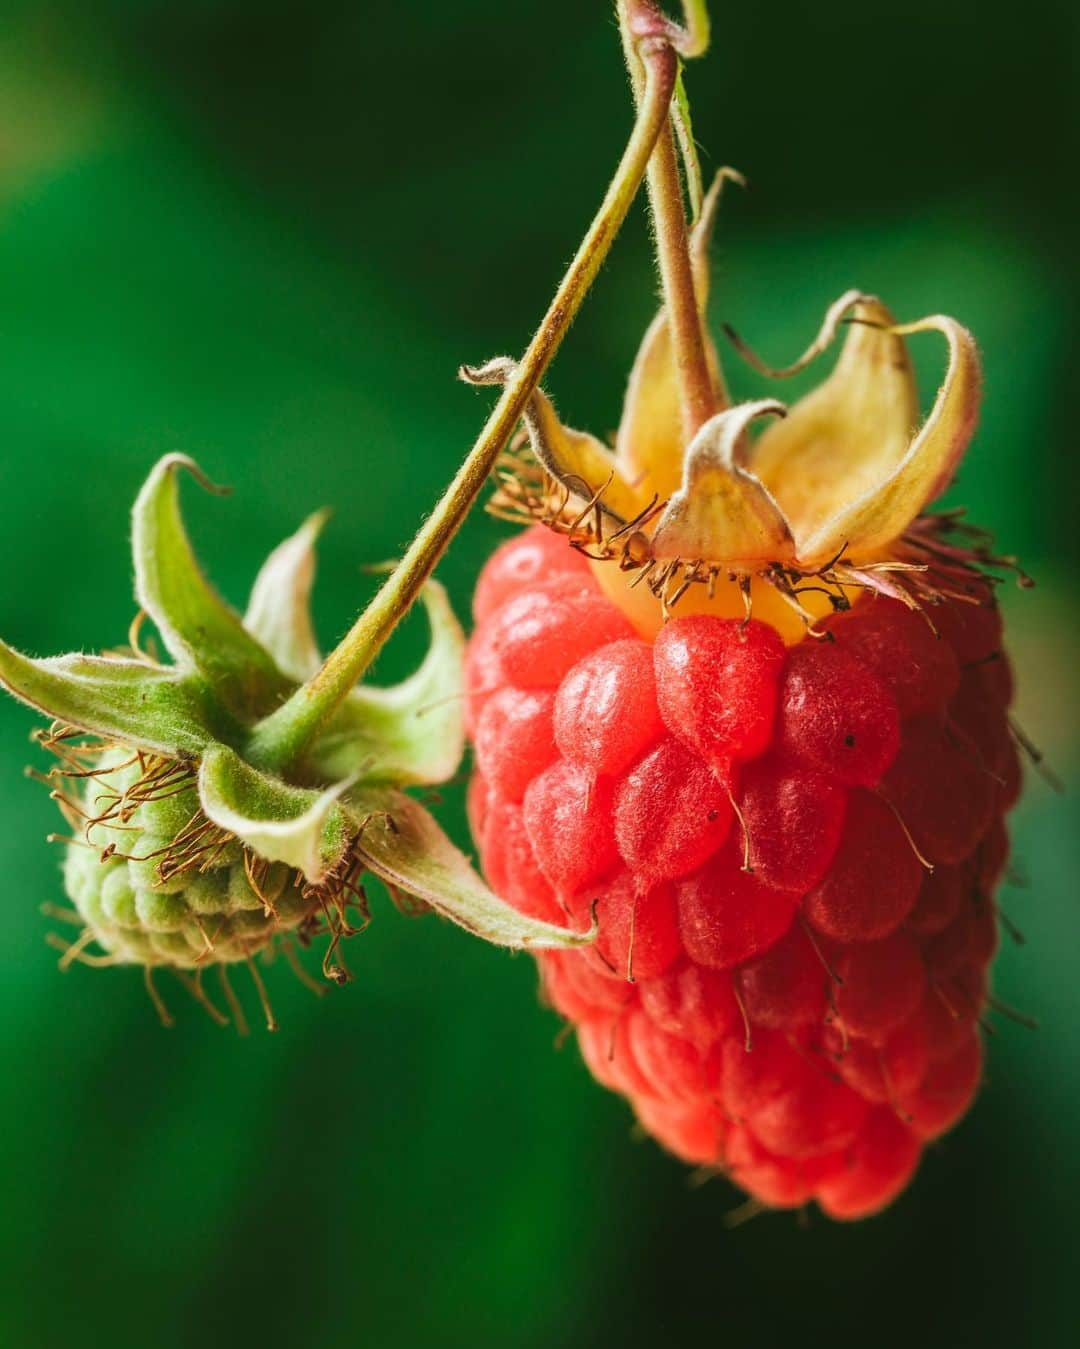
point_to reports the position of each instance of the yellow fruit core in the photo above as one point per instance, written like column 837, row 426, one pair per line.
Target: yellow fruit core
column 645, row 612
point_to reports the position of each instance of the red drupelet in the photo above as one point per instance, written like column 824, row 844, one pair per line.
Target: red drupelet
column 790, row 853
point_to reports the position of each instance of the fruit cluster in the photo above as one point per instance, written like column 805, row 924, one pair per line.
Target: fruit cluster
column 790, row 853
column 223, row 907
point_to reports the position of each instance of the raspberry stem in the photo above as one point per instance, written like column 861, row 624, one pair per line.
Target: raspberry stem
column 697, row 390
column 280, row 738
column 642, row 18
column 696, row 29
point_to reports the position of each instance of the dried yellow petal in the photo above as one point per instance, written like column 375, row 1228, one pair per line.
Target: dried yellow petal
column 723, row 512
column 846, row 466
column 584, row 465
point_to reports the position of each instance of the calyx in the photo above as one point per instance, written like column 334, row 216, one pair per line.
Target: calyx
column 143, row 739
column 828, row 490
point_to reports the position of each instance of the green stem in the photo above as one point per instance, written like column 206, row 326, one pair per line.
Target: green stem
column 281, row 738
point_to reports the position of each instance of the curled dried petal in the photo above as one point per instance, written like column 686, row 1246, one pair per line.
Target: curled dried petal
column 845, row 465
column 723, row 512
column 834, row 316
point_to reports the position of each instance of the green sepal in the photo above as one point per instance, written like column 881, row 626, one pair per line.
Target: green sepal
column 278, row 614
column 305, row 828
column 400, row 842
column 145, row 705
column 412, row 733
column 198, row 628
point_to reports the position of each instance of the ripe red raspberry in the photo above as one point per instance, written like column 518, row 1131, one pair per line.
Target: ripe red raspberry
column 780, row 984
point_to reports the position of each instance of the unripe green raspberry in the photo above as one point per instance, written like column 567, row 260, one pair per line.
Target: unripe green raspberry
column 210, row 812
column 141, row 909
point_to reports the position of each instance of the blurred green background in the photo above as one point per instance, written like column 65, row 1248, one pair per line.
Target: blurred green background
column 266, row 235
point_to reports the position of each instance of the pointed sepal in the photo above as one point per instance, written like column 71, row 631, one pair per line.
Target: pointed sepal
column 412, row 733
column 139, row 704
column 199, row 629
column 279, row 611
column 305, row 828
column 722, row 512
column 845, row 465
column 576, row 459
column 400, row 842
column 935, row 454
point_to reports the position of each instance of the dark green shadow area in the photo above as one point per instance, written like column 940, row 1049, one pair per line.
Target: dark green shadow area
column 267, row 235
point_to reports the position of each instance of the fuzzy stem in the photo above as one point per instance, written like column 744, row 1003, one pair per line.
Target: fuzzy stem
column 281, row 738
column 698, row 395
column 697, row 392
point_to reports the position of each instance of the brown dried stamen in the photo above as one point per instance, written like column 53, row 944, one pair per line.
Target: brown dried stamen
column 934, row 561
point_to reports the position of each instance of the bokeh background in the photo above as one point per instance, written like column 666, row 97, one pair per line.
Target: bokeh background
column 266, row 235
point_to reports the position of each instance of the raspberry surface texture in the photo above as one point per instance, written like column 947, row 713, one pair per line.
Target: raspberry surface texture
column 790, row 853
